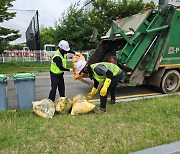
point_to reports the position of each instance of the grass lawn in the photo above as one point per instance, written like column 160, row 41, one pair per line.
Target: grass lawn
column 33, row 67
column 126, row 127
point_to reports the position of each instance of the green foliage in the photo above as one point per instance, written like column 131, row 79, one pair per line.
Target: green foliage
column 75, row 28
column 47, row 35
column 33, row 67
column 76, row 25
column 15, row 47
column 26, row 67
column 106, row 10
column 150, row 5
column 6, row 34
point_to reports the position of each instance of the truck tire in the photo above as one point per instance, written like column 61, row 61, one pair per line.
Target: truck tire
column 170, row 81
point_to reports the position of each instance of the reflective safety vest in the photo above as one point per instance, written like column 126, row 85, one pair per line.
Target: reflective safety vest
column 112, row 67
column 54, row 68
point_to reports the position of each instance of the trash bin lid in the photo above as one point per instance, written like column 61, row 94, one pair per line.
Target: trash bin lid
column 23, row 76
column 3, row 77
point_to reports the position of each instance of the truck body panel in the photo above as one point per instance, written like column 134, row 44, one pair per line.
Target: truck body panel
column 171, row 55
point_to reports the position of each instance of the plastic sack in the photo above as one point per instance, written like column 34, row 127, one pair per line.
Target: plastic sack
column 81, row 105
column 44, row 108
column 76, row 58
column 63, row 105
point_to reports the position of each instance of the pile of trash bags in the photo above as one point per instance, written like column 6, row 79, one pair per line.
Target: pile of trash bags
column 78, row 105
column 81, row 105
column 44, row 108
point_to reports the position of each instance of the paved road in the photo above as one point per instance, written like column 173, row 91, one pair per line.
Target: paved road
column 73, row 87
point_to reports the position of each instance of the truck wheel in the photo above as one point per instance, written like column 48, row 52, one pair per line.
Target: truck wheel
column 170, row 81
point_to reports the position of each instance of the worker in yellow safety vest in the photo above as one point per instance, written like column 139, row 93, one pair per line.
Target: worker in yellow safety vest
column 103, row 72
column 58, row 66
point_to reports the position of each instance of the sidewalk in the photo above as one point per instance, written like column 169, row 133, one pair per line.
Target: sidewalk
column 172, row 148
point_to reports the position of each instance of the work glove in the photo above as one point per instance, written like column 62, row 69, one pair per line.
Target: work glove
column 92, row 93
column 105, row 87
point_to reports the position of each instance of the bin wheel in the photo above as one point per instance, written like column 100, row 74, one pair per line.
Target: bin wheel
column 170, row 82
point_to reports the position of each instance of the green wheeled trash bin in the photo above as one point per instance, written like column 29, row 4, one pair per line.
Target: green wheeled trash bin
column 25, row 89
column 3, row 92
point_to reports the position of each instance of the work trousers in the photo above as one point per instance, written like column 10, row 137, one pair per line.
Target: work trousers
column 57, row 81
column 112, row 88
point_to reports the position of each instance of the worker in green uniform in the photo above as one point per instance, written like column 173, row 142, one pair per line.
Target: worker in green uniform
column 106, row 73
column 58, row 66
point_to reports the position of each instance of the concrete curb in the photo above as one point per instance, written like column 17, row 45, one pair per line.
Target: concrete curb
column 140, row 98
column 172, row 148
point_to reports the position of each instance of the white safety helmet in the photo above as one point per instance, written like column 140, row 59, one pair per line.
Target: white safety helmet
column 64, row 45
column 80, row 65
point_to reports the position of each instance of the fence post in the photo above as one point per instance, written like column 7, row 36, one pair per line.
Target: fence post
column 40, row 56
column 29, row 55
column 3, row 57
column 15, row 55
column 22, row 55
column 34, row 53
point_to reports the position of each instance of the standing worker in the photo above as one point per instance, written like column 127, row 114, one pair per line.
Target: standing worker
column 58, row 66
column 107, row 73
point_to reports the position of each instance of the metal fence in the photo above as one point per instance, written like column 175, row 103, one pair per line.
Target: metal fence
column 32, row 34
column 23, row 56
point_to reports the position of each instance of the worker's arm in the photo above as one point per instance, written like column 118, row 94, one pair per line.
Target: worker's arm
column 70, row 51
column 96, row 83
column 59, row 64
column 105, row 87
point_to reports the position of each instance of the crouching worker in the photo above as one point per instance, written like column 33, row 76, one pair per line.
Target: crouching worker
column 107, row 73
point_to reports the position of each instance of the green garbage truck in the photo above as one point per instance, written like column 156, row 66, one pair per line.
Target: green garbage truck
column 146, row 46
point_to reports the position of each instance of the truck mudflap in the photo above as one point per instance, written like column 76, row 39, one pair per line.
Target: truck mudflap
column 156, row 77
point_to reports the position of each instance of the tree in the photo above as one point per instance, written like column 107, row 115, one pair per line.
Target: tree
column 6, row 34
column 106, row 10
column 74, row 27
column 15, row 47
column 47, row 35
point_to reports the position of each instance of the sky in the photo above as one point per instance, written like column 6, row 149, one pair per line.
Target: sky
column 49, row 12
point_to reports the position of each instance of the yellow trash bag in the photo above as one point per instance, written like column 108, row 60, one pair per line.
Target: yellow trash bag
column 44, row 108
column 63, row 105
column 76, row 58
column 81, row 105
